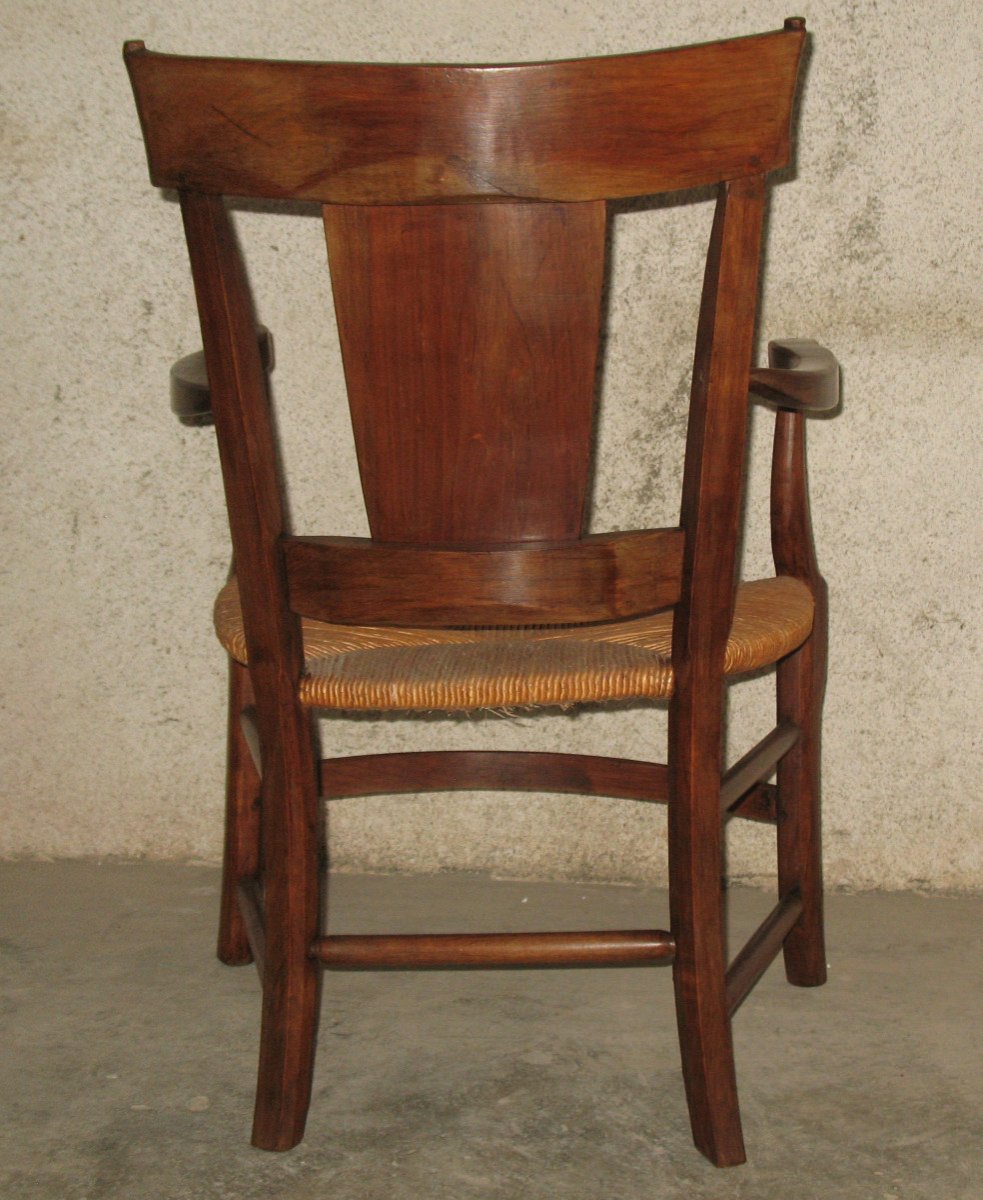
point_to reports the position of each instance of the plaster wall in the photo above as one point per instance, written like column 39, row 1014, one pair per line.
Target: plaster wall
column 115, row 540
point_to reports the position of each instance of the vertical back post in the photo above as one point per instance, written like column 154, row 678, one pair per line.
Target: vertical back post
column 290, row 818
column 715, row 452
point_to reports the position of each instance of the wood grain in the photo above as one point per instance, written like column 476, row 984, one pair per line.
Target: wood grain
column 290, row 811
column 191, row 398
column 240, row 856
column 601, row 578
column 469, row 336
column 757, row 764
column 521, row 771
column 586, row 129
column 610, row 948
column 801, row 687
column 250, row 900
column 492, row 770
column 712, row 482
column 759, row 951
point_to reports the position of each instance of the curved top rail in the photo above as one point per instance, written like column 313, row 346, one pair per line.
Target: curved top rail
column 366, row 133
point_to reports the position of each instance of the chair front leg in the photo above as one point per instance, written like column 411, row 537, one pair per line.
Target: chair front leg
column 801, row 682
column 241, row 854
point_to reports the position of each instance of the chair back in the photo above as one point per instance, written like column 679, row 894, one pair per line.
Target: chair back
column 465, row 216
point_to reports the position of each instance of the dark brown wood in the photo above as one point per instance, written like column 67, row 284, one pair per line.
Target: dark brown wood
column 250, row 732
column 802, row 376
column 290, row 810
column 191, row 399
column 601, row 578
column 250, row 902
column 240, row 857
column 801, row 686
column 759, row 804
column 756, row 956
column 346, row 133
column 612, row 948
column 712, row 483
column 492, row 770
column 517, row 770
column 469, row 335
column 792, row 544
column 757, row 764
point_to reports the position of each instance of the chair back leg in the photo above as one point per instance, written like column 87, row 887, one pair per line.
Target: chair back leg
column 696, row 917
column 291, row 915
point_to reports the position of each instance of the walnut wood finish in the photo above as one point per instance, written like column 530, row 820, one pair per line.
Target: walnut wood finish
column 250, row 902
column 712, row 482
column 348, row 133
column 601, row 578
column 191, row 398
column 759, row 804
column 757, row 764
column 523, row 771
column 756, row 956
column 470, row 334
column 801, row 686
column 803, row 376
column 250, row 733
column 611, row 948
column 241, row 852
column 492, row 770
column 290, row 811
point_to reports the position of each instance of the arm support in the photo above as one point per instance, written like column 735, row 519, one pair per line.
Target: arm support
column 802, row 379
column 801, row 375
column 191, row 399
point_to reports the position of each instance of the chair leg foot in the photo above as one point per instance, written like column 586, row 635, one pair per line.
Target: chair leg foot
column 800, row 689
column 240, row 857
column 805, row 954
column 286, row 1061
column 708, row 1073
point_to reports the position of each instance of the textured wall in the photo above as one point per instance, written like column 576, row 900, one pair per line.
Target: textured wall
column 112, row 685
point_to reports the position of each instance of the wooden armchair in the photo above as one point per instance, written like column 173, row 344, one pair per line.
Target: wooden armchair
column 465, row 214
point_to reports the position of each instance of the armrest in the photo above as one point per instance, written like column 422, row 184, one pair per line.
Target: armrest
column 191, row 400
column 801, row 375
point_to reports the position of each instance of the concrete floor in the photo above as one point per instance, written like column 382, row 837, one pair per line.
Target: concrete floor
column 129, row 1053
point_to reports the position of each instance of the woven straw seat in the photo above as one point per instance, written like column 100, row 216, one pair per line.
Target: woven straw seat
column 360, row 667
